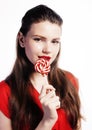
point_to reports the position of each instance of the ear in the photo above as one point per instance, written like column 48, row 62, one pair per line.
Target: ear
column 21, row 39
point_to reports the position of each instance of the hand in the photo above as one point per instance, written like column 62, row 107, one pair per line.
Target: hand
column 50, row 102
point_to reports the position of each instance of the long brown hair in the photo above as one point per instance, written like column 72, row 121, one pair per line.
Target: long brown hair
column 24, row 111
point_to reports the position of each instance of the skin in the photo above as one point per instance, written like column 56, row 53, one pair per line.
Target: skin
column 5, row 123
column 43, row 39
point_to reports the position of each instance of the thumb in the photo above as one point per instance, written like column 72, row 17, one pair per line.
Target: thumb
column 45, row 89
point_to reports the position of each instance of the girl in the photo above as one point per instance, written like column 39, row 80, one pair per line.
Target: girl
column 29, row 100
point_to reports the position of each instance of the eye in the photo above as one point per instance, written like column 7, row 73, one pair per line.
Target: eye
column 56, row 42
column 37, row 39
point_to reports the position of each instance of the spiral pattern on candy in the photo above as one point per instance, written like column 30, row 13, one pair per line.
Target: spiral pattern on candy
column 42, row 66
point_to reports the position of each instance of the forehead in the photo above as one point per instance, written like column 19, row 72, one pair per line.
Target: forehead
column 44, row 28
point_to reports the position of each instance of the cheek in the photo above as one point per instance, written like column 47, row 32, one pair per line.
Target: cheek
column 56, row 50
column 55, row 53
column 39, row 47
column 29, row 51
column 32, row 50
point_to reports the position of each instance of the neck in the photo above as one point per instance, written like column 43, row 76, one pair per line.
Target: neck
column 38, row 80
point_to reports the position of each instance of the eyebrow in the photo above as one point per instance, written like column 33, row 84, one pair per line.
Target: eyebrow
column 44, row 37
column 39, row 36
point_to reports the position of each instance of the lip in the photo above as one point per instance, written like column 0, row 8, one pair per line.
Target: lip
column 45, row 57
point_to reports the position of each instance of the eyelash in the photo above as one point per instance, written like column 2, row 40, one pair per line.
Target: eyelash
column 55, row 42
column 39, row 39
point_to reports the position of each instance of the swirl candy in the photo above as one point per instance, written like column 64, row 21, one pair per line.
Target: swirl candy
column 42, row 66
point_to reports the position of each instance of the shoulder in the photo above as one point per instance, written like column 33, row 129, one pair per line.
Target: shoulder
column 4, row 98
column 62, row 122
column 72, row 78
column 4, row 88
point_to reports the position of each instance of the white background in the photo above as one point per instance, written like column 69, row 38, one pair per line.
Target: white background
column 76, row 42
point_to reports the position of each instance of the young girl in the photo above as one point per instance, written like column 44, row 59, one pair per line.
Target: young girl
column 31, row 99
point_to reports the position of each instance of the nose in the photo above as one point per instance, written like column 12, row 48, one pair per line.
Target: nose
column 47, row 48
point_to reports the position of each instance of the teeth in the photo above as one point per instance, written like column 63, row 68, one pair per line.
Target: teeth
column 42, row 66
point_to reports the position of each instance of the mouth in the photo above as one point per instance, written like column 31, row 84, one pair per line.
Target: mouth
column 45, row 57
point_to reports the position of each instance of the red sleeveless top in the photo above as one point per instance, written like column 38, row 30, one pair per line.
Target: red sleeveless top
column 62, row 122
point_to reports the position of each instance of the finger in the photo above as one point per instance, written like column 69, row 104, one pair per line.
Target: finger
column 46, row 97
column 56, row 103
column 44, row 90
column 52, row 102
column 54, row 99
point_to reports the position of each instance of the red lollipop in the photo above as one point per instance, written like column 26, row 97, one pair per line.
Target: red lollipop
column 42, row 66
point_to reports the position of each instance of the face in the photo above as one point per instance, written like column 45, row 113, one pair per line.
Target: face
column 42, row 41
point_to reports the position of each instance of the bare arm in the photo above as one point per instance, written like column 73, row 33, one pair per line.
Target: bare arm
column 45, row 125
column 50, row 102
column 5, row 123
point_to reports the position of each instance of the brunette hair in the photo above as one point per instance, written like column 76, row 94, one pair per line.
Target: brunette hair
column 23, row 109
